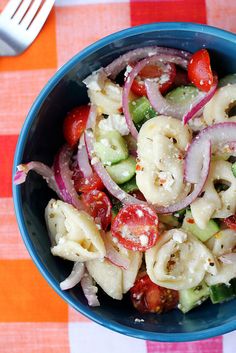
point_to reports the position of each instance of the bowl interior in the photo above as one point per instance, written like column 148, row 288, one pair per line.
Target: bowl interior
column 42, row 136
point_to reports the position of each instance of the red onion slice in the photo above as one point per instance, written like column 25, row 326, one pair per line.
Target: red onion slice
column 114, row 255
column 206, row 154
column 114, row 68
column 228, row 259
column 200, row 101
column 63, row 177
column 220, row 133
column 83, row 162
column 74, row 277
column 232, row 146
column 41, row 169
column 109, row 184
column 90, row 290
column 178, row 111
column 162, row 60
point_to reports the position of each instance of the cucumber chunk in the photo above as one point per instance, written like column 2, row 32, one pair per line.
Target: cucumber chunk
column 202, row 234
column 169, row 220
column 182, row 94
column 111, row 147
column 227, row 80
column 141, row 109
column 221, row 293
column 123, row 171
column 130, row 185
column 234, row 169
column 190, row 298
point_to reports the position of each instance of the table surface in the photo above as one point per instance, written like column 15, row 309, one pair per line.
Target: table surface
column 34, row 319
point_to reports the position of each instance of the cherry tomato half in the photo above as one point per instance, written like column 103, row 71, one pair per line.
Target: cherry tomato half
column 136, row 227
column 98, row 206
column 231, row 222
column 153, row 71
column 199, row 70
column 86, row 184
column 148, row 297
column 75, row 123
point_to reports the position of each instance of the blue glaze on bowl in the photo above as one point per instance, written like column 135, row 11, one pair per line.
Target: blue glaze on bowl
column 40, row 138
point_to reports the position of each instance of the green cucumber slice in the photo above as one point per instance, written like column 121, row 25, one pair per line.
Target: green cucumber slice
column 202, row 234
column 169, row 220
column 190, row 298
column 220, row 293
column 111, row 147
column 123, row 171
column 130, row 185
column 141, row 109
column 182, row 94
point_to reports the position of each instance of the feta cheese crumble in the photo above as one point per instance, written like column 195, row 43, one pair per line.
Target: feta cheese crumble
column 166, row 179
column 96, row 80
column 179, row 236
column 114, row 122
column 143, row 240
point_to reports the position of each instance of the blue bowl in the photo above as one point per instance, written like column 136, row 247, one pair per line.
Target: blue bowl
column 40, row 138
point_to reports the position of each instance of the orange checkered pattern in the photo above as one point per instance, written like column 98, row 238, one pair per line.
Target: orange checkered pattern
column 33, row 318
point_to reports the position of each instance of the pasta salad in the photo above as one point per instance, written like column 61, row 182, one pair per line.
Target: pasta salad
column 146, row 183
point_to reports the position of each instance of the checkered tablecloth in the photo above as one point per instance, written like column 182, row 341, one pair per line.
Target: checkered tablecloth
column 34, row 319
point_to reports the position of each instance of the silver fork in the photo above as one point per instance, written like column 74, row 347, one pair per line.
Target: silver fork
column 20, row 23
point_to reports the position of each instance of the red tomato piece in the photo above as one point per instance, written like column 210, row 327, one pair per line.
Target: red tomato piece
column 199, row 70
column 138, row 195
column 75, row 123
column 150, row 71
column 231, row 222
column 98, row 206
column 136, row 227
column 148, row 297
column 153, row 71
column 87, row 184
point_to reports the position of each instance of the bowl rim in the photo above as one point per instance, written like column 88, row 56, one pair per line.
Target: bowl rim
column 86, row 311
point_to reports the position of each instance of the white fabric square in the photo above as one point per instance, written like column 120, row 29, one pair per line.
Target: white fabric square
column 229, row 341
column 89, row 337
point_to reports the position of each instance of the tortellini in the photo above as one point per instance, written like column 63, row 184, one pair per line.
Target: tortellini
column 112, row 279
column 105, row 94
column 220, row 244
column 179, row 260
column 213, row 204
column 215, row 111
column 75, row 235
column 162, row 142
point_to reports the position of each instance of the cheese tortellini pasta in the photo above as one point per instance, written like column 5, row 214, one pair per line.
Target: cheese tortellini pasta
column 179, row 260
column 213, row 204
column 114, row 280
column 220, row 244
column 162, row 142
column 215, row 111
column 105, row 94
column 75, row 235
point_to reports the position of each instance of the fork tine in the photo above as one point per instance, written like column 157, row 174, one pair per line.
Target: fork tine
column 41, row 17
column 21, row 11
column 11, row 8
column 30, row 14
